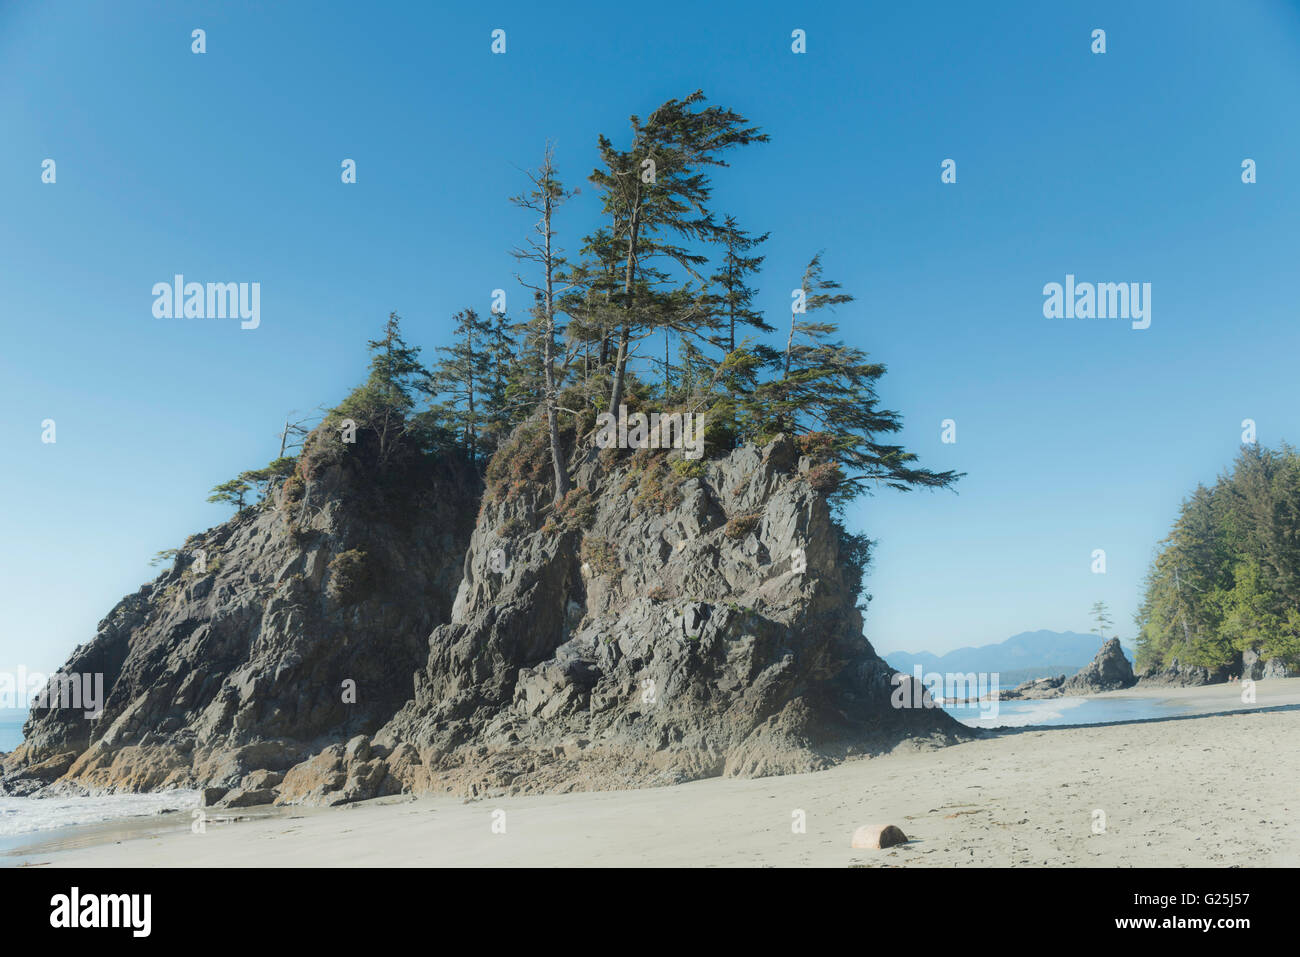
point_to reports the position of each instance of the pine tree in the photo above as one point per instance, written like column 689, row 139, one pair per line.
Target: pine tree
column 233, row 493
column 827, row 390
column 383, row 404
column 500, row 413
column 547, row 195
column 656, row 192
column 589, row 300
column 735, row 300
column 1101, row 616
column 1225, row 578
column 264, row 480
column 817, row 293
column 462, row 377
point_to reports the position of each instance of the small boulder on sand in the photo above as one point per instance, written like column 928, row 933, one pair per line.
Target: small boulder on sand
column 877, row 836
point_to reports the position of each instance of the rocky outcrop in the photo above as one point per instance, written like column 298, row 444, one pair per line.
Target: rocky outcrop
column 1255, row 668
column 295, row 623
column 1278, row 668
column 1049, row 687
column 359, row 635
column 670, row 620
column 1108, row 671
column 1247, row 665
column 1179, row 675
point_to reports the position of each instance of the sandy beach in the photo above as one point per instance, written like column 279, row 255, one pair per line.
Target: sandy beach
column 1217, row 789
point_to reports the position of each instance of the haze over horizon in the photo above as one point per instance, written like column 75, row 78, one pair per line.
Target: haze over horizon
column 1075, row 434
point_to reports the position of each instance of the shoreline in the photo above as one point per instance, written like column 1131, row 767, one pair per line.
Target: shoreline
column 1204, row 789
column 1161, row 694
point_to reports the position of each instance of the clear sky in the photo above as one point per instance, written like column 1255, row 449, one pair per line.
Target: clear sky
column 1075, row 434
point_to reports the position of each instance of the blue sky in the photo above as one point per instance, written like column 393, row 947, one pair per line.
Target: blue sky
column 1075, row 434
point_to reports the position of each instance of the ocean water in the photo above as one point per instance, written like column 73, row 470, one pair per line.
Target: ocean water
column 11, row 727
column 29, row 815
column 1058, row 711
column 20, row 816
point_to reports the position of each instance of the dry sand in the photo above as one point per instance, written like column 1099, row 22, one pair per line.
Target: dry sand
column 1218, row 790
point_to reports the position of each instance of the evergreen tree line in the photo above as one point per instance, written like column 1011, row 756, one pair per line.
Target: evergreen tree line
column 655, row 311
column 1227, row 578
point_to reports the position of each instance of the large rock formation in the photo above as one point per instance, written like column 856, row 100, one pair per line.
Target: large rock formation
column 234, row 660
column 671, row 620
column 1108, row 671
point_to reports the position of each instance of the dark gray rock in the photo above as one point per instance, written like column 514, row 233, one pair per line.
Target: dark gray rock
column 1278, row 668
column 663, row 624
column 677, row 646
column 234, row 660
column 1178, row 675
column 1048, row 687
column 1256, row 668
column 1108, row 671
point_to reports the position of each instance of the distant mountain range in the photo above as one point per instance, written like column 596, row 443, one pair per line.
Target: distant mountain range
column 1030, row 654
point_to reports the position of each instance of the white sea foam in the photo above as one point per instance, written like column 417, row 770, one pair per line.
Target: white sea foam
column 1020, row 713
column 27, row 815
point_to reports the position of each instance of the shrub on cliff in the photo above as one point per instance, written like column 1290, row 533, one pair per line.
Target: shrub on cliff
column 350, row 577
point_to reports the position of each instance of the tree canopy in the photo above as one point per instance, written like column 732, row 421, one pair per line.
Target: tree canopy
column 658, row 309
column 1227, row 577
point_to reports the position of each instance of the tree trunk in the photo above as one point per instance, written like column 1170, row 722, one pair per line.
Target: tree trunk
column 548, row 350
column 469, row 424
column 789, row 345
column 731, row 303
column 620, row 363
column 625, row 335
column 668, row 379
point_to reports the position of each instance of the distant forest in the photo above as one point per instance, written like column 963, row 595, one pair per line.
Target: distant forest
column 1227, row 578
column 655, row 311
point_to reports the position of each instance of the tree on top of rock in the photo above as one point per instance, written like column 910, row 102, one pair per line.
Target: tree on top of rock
column 656, row 196
column 1101, row 615
column 384, row 402
column 826, row 391
column 544, row 198
column 734, row 299
column 463, row 376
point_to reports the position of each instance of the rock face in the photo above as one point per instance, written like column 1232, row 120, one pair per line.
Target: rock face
column 1109, row 671
column 1277, row 668
column 1178, row 675
column 658, row 626
column 670, row 620
column 1255, row 668
column 234, row 660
